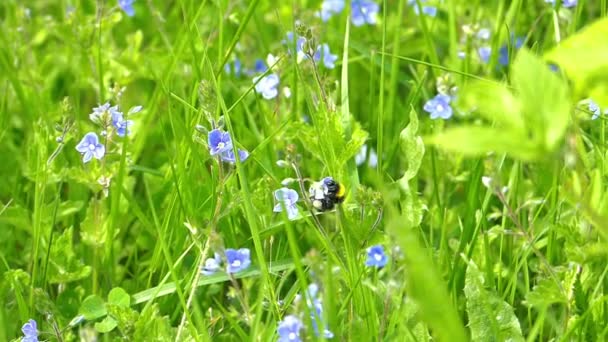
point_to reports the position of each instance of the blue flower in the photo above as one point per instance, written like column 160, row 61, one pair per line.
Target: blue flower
column 361, row 157
column 299, row 45
column 237, row 260
column 234, row 68
column 328, row 58
column 289, row 329
column 286, row 198
column 30, row 331
column 219, row 142
column 267, row 86
column 103, row 113
column 363, row 12
column 484, row 53
column 376, row 257
column 228, row 156
column 503, row 53
column 316, row 310
column 122, row 126
column 439, row 107
column 431, row 11
column 90, row 147
column 212, row 265
column 331, row 7
column 127, row 6
column 565, row 3
column 483, row 34
column 260, row 66
column 595, row 109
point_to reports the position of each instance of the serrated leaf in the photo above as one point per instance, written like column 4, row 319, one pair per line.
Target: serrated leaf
column 545, row 293
column 64, row 265
column 106, row 325
column 119, row 297
column 490, row 317
column 478, row 140
column 93, row 307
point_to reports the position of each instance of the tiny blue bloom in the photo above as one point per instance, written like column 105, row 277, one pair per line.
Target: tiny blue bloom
column 103, row 112
column 503, row 53
column 299, row 43
column 121, row 125
column 219, row 142
column 260, row 66
column 289, row 329
column 569, row 3
column 228, row 156
column 328, row 58
column 361, row 157
column 212, row 265
column 330, row 7
column 30, row 331
column 90, row 147
column 363, row 12
column 595, row 109
column 233, row 68
column 317, row 314
column 127, row 7
column 431, row 11
column 484, row 53
column 376, row 257
column 483, row 34
column 267, row 86
column 237, row 260
column 286, row 197
column 439, row 107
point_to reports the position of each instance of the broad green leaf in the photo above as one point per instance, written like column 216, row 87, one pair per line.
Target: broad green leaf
column 93, row 307
column 479, row 140
column 495, row 102
column 490, row 317
column 412, row 147
column 544, row 97
column 106, row 325
column 64, row 265
column 120, row 297
column 583, row 57
column 545, row 293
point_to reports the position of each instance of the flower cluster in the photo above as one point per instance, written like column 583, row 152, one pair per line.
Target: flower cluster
column 112, row 122
column 220, row 143
column 237, row 260
column 362, row 11
column 289, row 328
column 30, row 331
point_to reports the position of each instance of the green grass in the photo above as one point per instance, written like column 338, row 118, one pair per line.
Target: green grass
column 523, row 259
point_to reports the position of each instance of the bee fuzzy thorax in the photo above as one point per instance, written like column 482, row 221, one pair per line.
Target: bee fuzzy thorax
column 326, row 193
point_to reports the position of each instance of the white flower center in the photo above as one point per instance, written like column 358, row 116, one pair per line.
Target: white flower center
column 378, row 257
column 221, row 145
column 236, row 263
column 92, row 147
column 292, row 336
column 440, row 108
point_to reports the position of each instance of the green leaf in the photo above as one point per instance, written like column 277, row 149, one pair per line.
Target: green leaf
column 119, row 297
column 479, row 140
column 93, row 307
column 106, row 325
column 545, row 293
column 584, row 59
column 490, row 317
column 152, row 327
column 494, row 102
column 544, row 97
column 412, row 147
column 64, row 265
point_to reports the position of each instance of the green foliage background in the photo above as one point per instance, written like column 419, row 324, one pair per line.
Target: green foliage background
column 521, row 258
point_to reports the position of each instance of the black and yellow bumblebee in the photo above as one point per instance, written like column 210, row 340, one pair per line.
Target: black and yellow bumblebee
column 326, row 193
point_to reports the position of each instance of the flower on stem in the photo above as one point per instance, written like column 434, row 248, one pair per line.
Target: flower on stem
column 565, row 3
column 30, row 331
column 237, row 260
column 330, row 7
column 364, row 12
column 289, row 329
column 219, row 142
column 439, row 107
column 503, row 53
column 103, row 113
column 484, row 53
column 90, row 147
column 328, row 58
column 121, row 125
column 127, row 7
column 286, row 198
column 267, row 86
column 594, row 109
column 212, row 265
column 228, row 156
column 431, row 11
column 376, row 257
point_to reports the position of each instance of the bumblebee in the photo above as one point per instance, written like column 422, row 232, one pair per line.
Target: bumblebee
column 326, row 193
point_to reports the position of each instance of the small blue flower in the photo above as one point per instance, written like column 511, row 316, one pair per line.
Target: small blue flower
column 103, row 113
column 288, row 41
column 328, row 58
column 595, row 109
column 122, row 126
column 30, row 331
column 376, row 257
column 90, row 147
column 503, row 53
column 260, row 66
column 363, row 12
column 219, row 142
column 431, row 11
column 212, row 265
column 286, row 198
column 228, row 156
column 317, row 314
column 234, row 68
column 237, row 260
column 569, row 3
column 127, row 7
column 331, row 7
column 361, row 157
column 289, row 329
column 484, row 53
column 483, row 34
column 439, row 107
column 267, row 86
